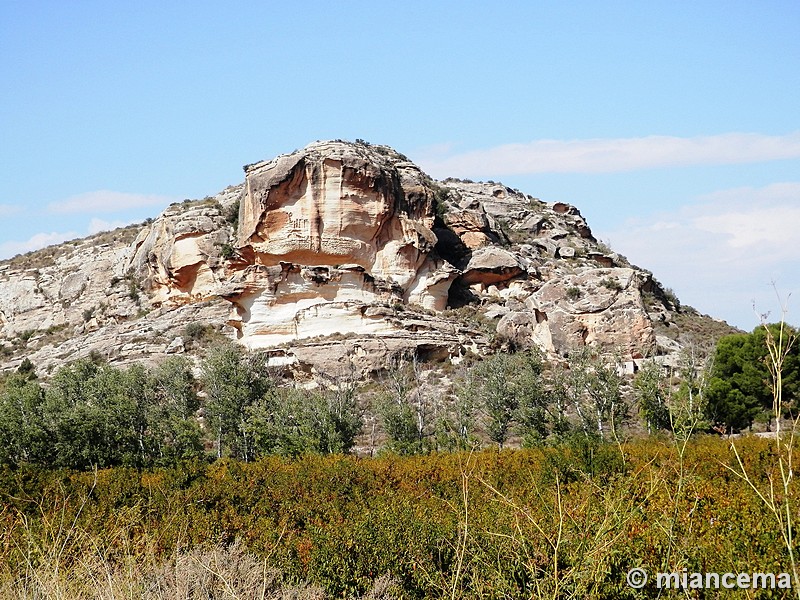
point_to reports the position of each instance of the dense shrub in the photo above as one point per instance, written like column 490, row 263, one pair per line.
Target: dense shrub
column 526, row 523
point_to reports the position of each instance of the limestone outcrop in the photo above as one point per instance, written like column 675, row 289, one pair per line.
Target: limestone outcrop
column 330, row 231
column 178, row 257
column 335, row 257
column 335, row 203
column 594, row 306
column 67, row 287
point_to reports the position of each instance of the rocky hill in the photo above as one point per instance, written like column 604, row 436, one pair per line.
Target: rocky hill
column 333, row 258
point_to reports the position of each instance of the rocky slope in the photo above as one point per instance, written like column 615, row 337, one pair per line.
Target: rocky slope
column 333, row 258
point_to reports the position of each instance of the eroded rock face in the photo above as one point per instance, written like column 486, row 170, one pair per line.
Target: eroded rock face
column 334, row 228
column 179, row 256
column 595, row 307
column 336, row 256
column 335, row 203
column 491, row 265
column 60, row 288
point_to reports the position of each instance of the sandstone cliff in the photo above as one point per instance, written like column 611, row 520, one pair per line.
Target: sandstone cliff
column 333, row 258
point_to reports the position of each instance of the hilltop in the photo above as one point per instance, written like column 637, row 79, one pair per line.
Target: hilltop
column 334, row 258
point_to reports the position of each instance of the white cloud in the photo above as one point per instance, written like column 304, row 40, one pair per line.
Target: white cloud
column 612, row 155
column 40, row 240
column 106, row 201
column 756, row 224
column 747, row 228
column 722, row 253
column 97, row 225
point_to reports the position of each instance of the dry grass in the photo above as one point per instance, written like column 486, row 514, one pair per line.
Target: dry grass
column 121, row 235
column 694, row 329
column 60, row 560
column 218, row 573
column 37, row 259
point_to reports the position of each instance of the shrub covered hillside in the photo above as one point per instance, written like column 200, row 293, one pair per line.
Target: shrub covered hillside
column 566, row 522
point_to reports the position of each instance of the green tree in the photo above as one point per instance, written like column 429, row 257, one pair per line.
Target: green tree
column 399, row 424
column 688, row 405
column 173, row 432
column 276, row 423
column 403, row 406
column 652, row 393
column 510, row 393
column 493, row 383
column 558, row 399
column 594, row 386
column 336, row 419
column 97, row 415
column 739, row 384
column 300, row 421
column 24, row 437
column 457, row 429
column 534, row 420
column 239, row 388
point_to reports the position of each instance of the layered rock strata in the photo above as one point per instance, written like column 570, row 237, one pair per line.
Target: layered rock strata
column 336, row 255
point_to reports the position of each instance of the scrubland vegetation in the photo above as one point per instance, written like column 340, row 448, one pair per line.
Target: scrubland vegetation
column 153, row 483
column 548, row 522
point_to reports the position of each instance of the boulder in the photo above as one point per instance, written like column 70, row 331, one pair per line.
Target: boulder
column 492, row 265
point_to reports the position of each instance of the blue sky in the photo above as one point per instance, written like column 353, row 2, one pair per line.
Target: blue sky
column 674, row 127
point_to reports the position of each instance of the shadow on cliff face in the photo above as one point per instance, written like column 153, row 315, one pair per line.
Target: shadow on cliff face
column 450, row 248
column 460, row 295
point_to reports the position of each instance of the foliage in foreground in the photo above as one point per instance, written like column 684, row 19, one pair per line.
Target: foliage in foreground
column 549, row 522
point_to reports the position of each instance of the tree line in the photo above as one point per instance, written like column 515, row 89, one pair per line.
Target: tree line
column 94, row 414
column 91, row 413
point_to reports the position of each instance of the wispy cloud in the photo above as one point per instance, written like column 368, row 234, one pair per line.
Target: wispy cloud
column 97, row 225
column 765, row 218
column 106, row 201
column 612, row 155
column 35, row 242
column 722, row 252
